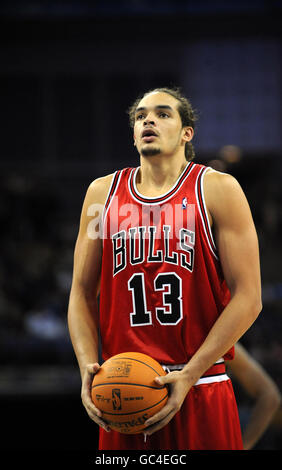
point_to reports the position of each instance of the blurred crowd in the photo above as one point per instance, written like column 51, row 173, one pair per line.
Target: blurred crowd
column 35, row 274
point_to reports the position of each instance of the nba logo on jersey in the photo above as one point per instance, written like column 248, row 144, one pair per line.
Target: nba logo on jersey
column 184, row 203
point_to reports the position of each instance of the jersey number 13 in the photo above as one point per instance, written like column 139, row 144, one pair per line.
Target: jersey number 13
column 170, row 313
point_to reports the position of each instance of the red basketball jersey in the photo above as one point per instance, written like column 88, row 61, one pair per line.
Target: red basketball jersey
column 162, row 287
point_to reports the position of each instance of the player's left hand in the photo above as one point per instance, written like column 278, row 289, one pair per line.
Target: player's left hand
column 179, row 386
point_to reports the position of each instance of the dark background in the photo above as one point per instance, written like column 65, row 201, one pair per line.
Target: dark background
column 68, row 72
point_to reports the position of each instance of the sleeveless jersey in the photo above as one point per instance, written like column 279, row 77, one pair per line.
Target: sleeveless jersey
column 162, row 286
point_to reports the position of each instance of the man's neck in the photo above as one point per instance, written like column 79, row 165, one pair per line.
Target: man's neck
column 157, row 175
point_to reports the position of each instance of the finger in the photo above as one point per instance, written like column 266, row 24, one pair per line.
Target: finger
column 166, row 379
column 91, row 408
column 158, row 380
column 159, row 424
column 86, row 390
column 92, row 368
column 166, row 410
column 89, row 372
column 95, row 414
column 103, row 424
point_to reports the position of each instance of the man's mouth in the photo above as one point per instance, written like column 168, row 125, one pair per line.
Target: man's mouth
column 148, row 135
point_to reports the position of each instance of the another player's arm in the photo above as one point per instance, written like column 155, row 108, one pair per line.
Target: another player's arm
column 83, row 306
column 237, row 244
column 261, row 388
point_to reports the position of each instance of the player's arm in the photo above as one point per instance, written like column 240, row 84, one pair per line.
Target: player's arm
column 83, row 305
column 261, row 388
column 237, row 244
column 238, row 249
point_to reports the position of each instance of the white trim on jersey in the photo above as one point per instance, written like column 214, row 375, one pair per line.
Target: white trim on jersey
column 169, row 193
column 213, row 246
column 219, row 361
column 106, row 200
column 213, row 378
column 171, row 367
column 203, row 380
column 105, row 212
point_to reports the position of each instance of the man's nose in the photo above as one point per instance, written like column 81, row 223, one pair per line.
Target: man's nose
column 149, row 120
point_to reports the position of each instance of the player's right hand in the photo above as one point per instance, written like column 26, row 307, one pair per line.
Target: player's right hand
column 94, row 413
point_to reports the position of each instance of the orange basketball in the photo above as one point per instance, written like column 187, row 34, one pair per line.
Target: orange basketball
column 125, row 391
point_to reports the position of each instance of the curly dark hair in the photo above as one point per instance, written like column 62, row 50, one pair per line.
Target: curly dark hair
column 187, row 113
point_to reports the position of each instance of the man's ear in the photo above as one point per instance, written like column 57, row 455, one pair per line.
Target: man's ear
column 188, row 133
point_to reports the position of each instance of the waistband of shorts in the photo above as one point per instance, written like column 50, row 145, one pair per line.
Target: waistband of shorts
column 216, row 373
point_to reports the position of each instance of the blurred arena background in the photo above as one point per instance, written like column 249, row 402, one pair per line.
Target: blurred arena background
column 68, row 72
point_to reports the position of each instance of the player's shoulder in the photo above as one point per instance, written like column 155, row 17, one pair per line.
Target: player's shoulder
column 103, row 182
column 219, row 184
column 99, row 188
column 223, row 194
column 219, row 177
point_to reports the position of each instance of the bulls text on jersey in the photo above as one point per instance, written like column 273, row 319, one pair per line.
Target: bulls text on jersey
column 137, row 251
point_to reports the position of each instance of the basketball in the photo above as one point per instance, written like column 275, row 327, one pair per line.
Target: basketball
column 125, row 391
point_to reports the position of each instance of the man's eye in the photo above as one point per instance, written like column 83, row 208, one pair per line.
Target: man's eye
column 163, row 115
column 139, row 116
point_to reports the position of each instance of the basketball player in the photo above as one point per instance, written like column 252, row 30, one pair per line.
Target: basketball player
column 177, row 270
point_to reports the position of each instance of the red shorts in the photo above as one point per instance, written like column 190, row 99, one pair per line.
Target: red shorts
column 207, row 420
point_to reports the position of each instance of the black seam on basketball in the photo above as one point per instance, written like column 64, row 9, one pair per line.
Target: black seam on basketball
column 128, row 383
column 137, row 411
column 137, row 360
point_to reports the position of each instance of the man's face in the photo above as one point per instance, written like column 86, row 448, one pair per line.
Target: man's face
column 158, row 127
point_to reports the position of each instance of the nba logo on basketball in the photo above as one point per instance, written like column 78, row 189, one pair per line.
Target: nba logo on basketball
column 184, row 203
column 116, row 400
